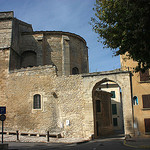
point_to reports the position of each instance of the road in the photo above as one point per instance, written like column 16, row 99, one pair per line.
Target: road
column 98, row 144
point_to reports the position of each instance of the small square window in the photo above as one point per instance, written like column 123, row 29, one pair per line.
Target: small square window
column 146, row 101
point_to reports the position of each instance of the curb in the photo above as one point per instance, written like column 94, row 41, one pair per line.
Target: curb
column 141, row 146
column 81, row 142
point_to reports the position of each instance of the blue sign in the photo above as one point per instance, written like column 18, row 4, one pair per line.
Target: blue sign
column 2, row 110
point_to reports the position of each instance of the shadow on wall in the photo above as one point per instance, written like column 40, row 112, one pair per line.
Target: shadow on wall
column 32, row 52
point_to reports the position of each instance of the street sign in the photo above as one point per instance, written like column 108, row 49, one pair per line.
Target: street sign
column 2, row 110
column 2, row 117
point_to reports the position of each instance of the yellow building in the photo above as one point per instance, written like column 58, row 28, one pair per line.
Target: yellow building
column 116, row 103
column 140, row 97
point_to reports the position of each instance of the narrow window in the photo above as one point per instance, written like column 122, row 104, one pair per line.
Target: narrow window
column 115, row 122
column 114, row 109
column 146, row 101
column 113, row 94
column 37, row 101
column 98, row 106
column 75, row 70
column 147, row 125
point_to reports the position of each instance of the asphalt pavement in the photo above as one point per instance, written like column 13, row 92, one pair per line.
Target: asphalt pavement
column 104, row 143
column 138, row 142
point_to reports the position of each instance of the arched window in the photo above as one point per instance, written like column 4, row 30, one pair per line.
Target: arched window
column 75, row 70
column 28, row 59
column 135, row 100
column 37, row 101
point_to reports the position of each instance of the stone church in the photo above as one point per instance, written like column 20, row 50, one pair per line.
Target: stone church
column 45, row 84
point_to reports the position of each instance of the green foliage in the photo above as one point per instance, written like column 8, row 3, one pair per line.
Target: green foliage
column 124, row 26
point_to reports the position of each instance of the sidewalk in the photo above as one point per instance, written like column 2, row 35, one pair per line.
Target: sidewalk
column 13, row 138
column 137, row 142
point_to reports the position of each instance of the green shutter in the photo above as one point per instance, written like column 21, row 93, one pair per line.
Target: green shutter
column 113, row 94
column 114, row 109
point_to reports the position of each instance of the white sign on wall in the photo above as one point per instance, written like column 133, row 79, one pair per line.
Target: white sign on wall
column 67, row 122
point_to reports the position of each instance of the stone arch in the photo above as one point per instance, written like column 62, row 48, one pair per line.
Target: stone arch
column 102, row 80
column 28, row 59
column 105, row 80
column 123, row 79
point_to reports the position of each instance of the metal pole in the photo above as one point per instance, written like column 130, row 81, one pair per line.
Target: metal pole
column 47, row 136
column 17, row 135
column 2, row 131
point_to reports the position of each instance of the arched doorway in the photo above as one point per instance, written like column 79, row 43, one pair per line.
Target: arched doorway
column 111, row 116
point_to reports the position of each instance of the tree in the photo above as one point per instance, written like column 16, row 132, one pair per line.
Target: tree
column 124, row 26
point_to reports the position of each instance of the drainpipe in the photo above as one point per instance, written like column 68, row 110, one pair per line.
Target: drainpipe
column 132, row 100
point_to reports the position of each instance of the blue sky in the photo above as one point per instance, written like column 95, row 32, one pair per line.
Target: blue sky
column 65, row 15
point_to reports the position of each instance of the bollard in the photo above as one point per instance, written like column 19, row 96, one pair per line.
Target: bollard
column 2, row 131
column 17, row 133
column 47, row 136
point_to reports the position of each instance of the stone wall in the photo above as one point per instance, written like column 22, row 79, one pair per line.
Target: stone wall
column 64, row 50
column 4, row 63
column 66, row 105
column 5, row 33
column 10, row 36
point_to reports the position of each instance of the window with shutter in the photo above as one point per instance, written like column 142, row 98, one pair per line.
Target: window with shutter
column 114, row 109
column 144, row 76
column 147, row 125
column 146, row 101
column 113, row 94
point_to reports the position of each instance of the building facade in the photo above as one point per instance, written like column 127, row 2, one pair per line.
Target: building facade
column 116, row 105
column 140, row 97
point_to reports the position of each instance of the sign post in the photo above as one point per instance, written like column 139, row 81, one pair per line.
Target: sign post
column 2, row 118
